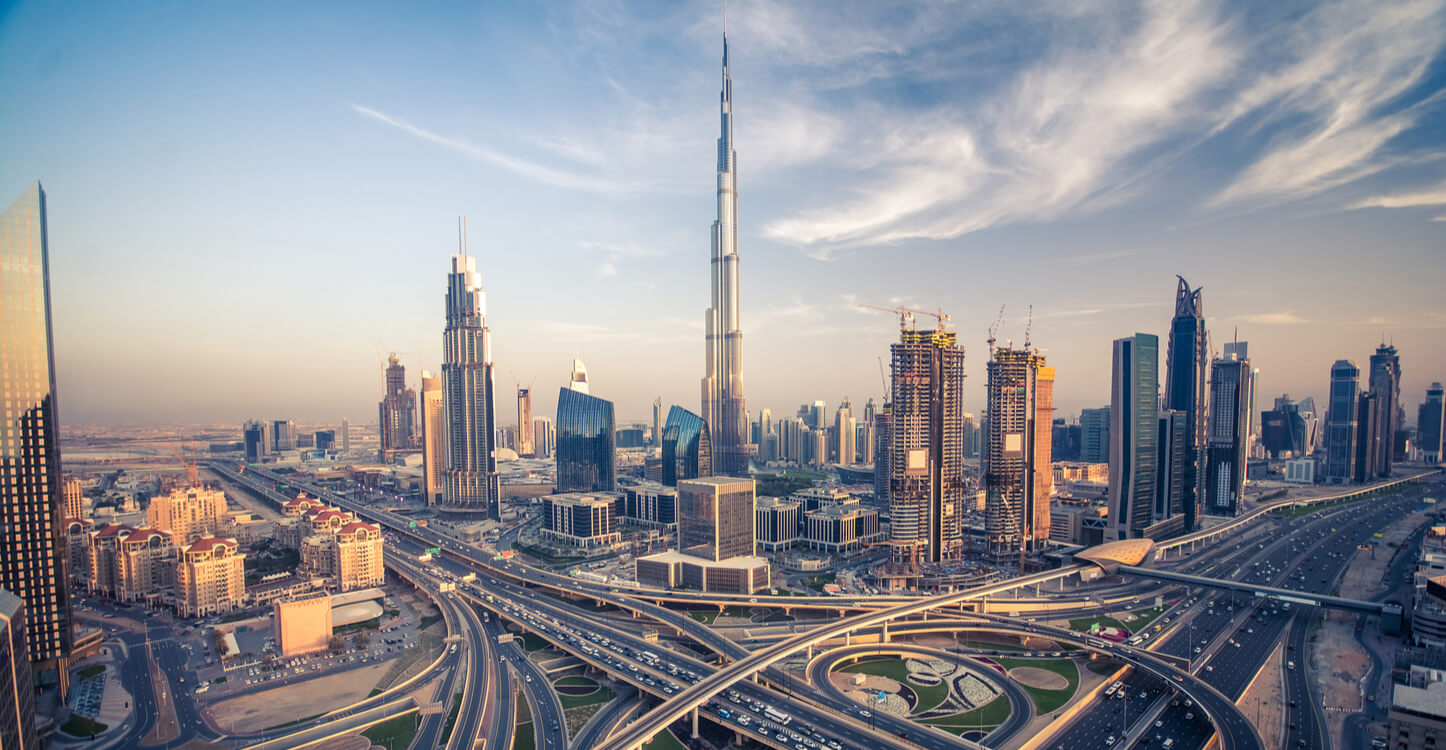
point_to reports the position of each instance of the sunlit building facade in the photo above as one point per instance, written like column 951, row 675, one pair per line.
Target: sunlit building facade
column 210, row 578
column 1134, row 430
column 687, row 447
column 470, row 483
column 33, row 546
column 586, row 443
column 434, row 437
column 188, row 513
column 926, row 447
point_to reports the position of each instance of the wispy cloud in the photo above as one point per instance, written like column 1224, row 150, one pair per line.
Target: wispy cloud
column 1281, row 318
column 521, row 167
column 615, row 252
column 1433, row 197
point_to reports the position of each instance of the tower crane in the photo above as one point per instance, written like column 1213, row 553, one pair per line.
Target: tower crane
column 884, row 380
column 192, row 473
column 906, row 314
column 994, row 328
column 1028, row 324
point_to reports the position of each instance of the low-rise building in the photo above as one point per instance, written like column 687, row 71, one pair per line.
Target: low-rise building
column 776, row 522
column 1417, row 720
column 813, row 498
column 1300, row 470
column 841, row 527
column 651, row 504
column 210, row 578
column 1077, row 522
column 302, row 626
column 733, row 575
column 582, row 520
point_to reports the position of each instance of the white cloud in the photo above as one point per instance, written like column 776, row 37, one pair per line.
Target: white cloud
column 1432, row 197
column 1281, row 318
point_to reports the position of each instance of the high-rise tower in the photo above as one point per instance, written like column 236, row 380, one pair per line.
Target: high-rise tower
column 1431, row 424
column 724, row 407
column 1231, row 402
column 1379, row 416
column 1340, row 432
column 434, row 436
column 396, row 412
column 469, row 482
column 526, row 443
column 1016, row 451
column 32, row 536
column 1185, row 391
column 1134, row 432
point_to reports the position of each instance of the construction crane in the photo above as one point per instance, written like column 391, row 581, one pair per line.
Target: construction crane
column 1028, row 324
column 192, row 473
column 994, row 328
column 884, row 381
column 906, row 314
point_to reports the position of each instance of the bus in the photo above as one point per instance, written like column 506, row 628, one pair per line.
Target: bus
column 649, row 657
column 774, row 714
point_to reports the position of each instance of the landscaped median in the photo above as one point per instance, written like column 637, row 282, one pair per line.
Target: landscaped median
column 581, row 698
column 1049, row 682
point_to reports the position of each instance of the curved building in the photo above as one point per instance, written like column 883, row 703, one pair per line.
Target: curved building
column 586, row 444
column 687, row 447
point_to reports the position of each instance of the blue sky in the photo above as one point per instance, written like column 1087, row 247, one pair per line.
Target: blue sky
column 249, row 202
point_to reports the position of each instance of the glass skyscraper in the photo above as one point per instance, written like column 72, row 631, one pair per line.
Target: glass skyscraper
column 1185, row 391
column 32, row 537
column 687, row 447
column 586, row 446
column 1340, row 433
column 1134, row 432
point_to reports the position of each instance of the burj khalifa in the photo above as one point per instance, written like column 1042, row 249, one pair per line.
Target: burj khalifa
column 724, row 407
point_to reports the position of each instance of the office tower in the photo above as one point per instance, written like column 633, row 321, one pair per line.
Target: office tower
column 32, row 542
column 1229, row 437
column 971, row 437
column 345, row 435
column 577, row 381
column 17, row 694
column 1290, row 428
column 469, row 481
column 1376, row 429
column 818, row 454
column 526, row 442
column 396, row 411
column 687, row 447
column 283, row 435
column 544, row 436
column 883, row 436
column 715, row 517
column 1134, row 430
column 434, row 437
column 1431, row 425
column 253, row 437
column 867, row 431
column 324, row 440
column 818, row 416
column 657, row 436
column 1016, row 456
column 844, row 427
column 631, row 437
column 1185, row 390
column 724, row 406
column 1170, row 459
column 72, row 500
column 586, row 443
column 1340, row 431
column 587, row 522
column 926, row 451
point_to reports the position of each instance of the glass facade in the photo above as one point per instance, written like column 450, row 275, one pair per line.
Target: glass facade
column 716, row 517
column 17, row 699
column 1185, row 391
column 586, row 444
column 1341, row 422
column 32, row 537
column 687, row 447
column 1134, row 434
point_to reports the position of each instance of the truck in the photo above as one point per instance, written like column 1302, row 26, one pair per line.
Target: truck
column 424, row 557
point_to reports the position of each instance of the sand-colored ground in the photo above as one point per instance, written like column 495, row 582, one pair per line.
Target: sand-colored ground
column 1038, row 678
column 872, row 683
column 258, row 711
column 1338, row 662
column 1264, row 698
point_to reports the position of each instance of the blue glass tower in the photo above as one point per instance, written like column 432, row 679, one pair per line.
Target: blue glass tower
column 586, row 446
column 687, row 447
column 1185, row 391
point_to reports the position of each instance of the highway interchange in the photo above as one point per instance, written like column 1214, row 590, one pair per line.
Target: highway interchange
column 1234, row 633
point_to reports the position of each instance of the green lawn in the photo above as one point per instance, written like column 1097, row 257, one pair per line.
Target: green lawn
column 895, row 669
column 395, row 733
column 452, row 717
column 705, row 617
column 428, row 621
column 1083, row 624
column 90, row 671
column 522, row 737
column 737, row 611
column 1047, row 700
column 819, row 581
column 664, row 740
column 602, row 695
column 987, row 716
column 577, row 681
column 219, row 680
column 79, row 726
column 1146, row 616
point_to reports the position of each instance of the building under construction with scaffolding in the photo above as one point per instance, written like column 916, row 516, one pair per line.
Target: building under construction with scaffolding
column 926, row 449
column 1016, row 452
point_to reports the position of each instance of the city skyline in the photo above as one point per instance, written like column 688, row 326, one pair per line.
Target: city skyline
column 1202, row 178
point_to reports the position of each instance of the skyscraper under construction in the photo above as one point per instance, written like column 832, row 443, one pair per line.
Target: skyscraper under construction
column 724, row 407
column 396, row 414
column 1016, row 451
column 926, row 446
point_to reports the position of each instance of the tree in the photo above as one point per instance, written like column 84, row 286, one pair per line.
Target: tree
column 336, row 643
column 360, row 640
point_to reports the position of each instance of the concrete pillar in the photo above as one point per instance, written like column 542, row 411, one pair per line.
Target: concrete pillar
column 695, row 723
column 848, row 637
column 884, row 634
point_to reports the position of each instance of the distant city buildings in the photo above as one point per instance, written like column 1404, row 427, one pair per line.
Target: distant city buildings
column 1340, row 432
column 1017, row 447
column 396, row 414
column 586, row 441
column 1231, row 386
column 253, row 439
column 1290, row 428
column 1189, row 353
column 33, row 543
column 283, row 435
column 73, row 502
column 1378, row 416
column 324, row 440
column 434, row 437
column 470, row 483
column 1095, row 435
column 544, row 436
column 926, row 450
column 526, row 445
column 1431, row 425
